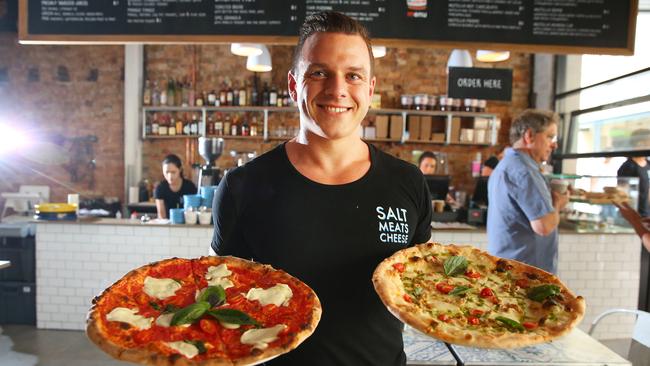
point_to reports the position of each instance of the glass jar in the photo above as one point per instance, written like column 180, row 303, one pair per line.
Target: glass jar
column 433, row 102
column 420, row 101
column 442, row 103
column 482, row 103
column 457, row 105
column 467, row 105
column 406, row 101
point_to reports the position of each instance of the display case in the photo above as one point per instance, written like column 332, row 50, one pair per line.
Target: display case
column 591, row 206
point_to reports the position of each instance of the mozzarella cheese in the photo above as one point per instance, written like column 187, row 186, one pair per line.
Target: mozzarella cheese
column 160, row 288
column 216, row 275
column 164, row 320
column 186, row 349
column 260, row 338
column 277, row 295
column 229, row 325
column 130, row 316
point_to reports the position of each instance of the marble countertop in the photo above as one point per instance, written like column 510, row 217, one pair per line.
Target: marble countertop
column 575, row 349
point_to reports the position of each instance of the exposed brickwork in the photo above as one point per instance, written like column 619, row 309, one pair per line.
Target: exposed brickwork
column 35, row 100
column 401, row 71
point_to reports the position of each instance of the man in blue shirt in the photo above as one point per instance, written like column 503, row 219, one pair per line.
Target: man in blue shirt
column 523, row 214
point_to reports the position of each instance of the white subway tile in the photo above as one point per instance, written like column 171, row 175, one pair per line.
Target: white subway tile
column 107, row 230
column 124, row 230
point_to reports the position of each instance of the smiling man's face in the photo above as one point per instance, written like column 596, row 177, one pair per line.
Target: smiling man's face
column 333, row 85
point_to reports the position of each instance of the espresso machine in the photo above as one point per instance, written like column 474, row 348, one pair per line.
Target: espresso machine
column 210, row 149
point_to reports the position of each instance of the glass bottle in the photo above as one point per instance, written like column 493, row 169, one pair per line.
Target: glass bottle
column 273, row 97
column 146, row 94
column 171, row 126
column 212, row 97
column 222, row 94
column 265, row 95
column 226, row 125
column 155, row 94
column 218, row 125
column 163, row 96
column 171, row 91
column 199, row 99
column 229, row 94
column 234, row 126
column 154, row 124
column 162, row 126
column 179, row 125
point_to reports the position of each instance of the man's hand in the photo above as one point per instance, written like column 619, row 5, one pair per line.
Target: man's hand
column 560, row 200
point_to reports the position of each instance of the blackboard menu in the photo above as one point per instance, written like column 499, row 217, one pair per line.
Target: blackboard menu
column 604, row 26
column 8, row 15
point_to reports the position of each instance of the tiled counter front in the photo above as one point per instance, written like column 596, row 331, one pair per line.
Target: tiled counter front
column 75, row 262
column 603, row 268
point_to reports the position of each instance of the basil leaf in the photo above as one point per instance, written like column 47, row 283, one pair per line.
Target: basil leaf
column 233, row 316
column 154, row 305
column 459, row 290
column 512, row 324
column 215, row 295
column 190, row 313
column 455, row 265
column 540, row 293
column 170, row 308
column 198, row 344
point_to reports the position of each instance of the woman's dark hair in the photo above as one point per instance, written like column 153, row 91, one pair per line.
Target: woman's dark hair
column 174, row 159
column 427, row 154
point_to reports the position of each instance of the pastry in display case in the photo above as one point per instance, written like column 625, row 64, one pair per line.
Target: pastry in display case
column 591, row 203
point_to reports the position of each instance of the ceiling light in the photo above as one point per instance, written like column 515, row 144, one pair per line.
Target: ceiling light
column 378, row 51
column 459, row 58
column 246, row 49
column 261, row 62
column 492, row 56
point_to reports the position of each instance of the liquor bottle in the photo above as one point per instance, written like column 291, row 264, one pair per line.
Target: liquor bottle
column 162, row 126
column 146, row 94
column 254, row 95
column 244, row 94
column 200, row 98
column 155, row 94
column 229, row 94
column 285, row 98
column 179, row 125
column 254, row 126
column 273, row 97
column 171, row 91
column 226, row 125
column 265, row 95
column 212, row 97
column 171, row 127
column 154, row 124
column 194, row 127
column 245, row 127
column 218, row 125
column 234, row 126
column 187, row 124
column 223, row 93
column 163, row 96
column 210, row 126
column 235, row 94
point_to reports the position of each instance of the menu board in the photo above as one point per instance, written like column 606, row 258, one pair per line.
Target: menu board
column 564, row 26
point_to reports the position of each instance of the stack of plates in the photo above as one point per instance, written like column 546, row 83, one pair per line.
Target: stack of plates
column 55, row 211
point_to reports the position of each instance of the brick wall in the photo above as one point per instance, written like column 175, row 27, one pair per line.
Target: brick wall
column 401, row 71
column 57, row 94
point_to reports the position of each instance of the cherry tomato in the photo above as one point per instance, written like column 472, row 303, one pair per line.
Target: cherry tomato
column 529, row 325
column 445, row 288
column 493, row 299
column 444, row 318
column 522, row 282
column 476, row 312
column 399, row 267
column 407, row 298
column 208, row 326
column 472, row 274
column 473, row 320
column 486, row 292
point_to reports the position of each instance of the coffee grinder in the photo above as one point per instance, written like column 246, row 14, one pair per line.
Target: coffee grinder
column 210, row 149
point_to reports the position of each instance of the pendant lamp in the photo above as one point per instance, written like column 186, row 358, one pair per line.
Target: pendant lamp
column 378, row 51
column 492, row 56
column 261, row 62
column 246, row 49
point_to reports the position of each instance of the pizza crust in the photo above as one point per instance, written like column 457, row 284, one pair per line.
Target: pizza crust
column 388, row 285
column 148, row 354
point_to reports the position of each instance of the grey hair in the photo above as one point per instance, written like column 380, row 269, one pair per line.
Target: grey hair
column 537, row 120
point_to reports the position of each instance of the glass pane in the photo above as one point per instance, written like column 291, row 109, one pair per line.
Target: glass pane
column 616, row 129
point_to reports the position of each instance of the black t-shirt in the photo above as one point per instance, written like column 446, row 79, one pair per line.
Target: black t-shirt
column 331, row 237
column 491, row 162
column 173, row 199
column 631, row 169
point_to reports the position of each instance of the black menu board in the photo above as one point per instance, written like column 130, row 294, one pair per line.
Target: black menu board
column 564, row 26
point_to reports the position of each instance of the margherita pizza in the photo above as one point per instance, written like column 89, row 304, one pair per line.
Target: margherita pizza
column 207, row 311
column 462, row 295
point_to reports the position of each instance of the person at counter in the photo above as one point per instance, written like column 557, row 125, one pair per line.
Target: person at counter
column 523, row 214
column 491, row 163
column 428, row 163
column 170, row 191
column 321, row 205
column 639, row 167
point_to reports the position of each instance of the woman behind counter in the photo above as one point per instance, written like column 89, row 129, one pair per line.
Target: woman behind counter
column 169, row 192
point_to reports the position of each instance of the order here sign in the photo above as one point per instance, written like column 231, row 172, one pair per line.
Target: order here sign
column 480, row 83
